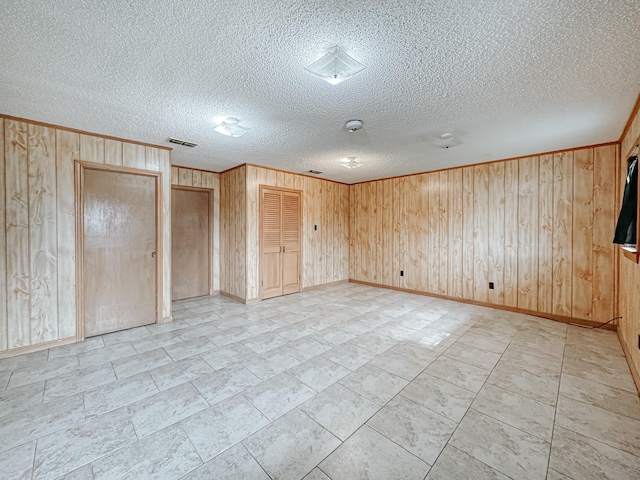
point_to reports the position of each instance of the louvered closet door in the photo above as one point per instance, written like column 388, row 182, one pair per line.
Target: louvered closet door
column 290, row 242
column 271, row 226
column 280, row 234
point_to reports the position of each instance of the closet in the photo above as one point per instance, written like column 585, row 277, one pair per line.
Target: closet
column 280, row 240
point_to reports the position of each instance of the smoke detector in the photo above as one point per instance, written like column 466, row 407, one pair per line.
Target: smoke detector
column 353, row 125
column 447, row 140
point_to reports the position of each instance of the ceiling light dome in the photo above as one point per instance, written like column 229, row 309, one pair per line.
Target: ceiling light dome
column 335, row 66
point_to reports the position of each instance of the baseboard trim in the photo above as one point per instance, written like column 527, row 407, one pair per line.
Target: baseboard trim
column 548, row 316
column 233, row 297
column 627, row 355
column 315, row 287
column 12, row 352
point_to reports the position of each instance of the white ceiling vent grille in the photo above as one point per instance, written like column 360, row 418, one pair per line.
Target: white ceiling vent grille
column 183, row 143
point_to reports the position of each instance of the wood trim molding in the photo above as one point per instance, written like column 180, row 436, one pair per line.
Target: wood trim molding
column 549, row 316
column 632, row 116
column 194, row 169
column 295, row 173
column 627, row 355
column 490, row 162
column 80, row 166
column 37, row 347
column 82, row 132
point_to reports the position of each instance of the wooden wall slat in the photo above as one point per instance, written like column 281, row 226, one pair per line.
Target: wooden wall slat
column 17, row 232
column 511, row 229
column 456, row 234
column 43, row 312
column 562, row 233
column 3, row 246
column 604, row 222
column 403, row 242
column 67, row 151
column 433, row 252
column 91, row 148
column 133, row 156
column 468, row 242
column 496, row 232
column 112, row 152
column 582, row 205
column 545, row 235
column 480, row 233
column 443, row 232
column 527, row 233
column 413, row 272
column 151, row 159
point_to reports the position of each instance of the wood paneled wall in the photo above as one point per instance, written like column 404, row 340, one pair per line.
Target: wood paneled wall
column 629, row 281
column 233, row 233
column 325, row 250
column 37, row 226
column 325, row 204
column 189, row 177
column 538, row 227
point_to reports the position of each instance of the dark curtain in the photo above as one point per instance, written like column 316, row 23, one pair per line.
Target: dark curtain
column 626, row 229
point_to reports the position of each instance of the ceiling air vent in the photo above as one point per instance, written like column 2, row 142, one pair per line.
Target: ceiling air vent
column 314, row 172
column 183, row 143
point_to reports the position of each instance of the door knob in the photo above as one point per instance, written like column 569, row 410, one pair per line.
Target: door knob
column 154, row 254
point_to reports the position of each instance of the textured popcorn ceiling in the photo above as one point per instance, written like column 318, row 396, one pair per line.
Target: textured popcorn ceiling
column 508, row 77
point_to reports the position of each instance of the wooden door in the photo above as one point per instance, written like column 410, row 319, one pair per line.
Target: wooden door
column 290, row 242
column 190, row 243
column 280, row 232
column 271, row 229
column 119, row 250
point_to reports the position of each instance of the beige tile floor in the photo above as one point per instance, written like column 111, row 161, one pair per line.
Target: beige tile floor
column 343, row 382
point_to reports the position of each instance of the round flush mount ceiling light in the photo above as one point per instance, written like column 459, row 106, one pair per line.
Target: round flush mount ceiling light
column 350, row 162
column 353, row 125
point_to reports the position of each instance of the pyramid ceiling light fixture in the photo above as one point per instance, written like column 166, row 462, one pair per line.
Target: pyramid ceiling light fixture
column 231, row 127
column 350, row 162
column 335, row 66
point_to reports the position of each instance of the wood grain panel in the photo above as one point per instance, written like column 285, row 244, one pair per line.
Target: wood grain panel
column 388, row 231
column 456, row 235
column 17, row 232
column 134, row 156
column 113, row 152
column 562, row 233
column 480, row 233
column 468, row 242
column 43, row 314
column 185, row 176
column 91, row 148
column 604, row 218
column 67, row 151
column 496, row 232
column 527, row 233
column 196, row 178
column 152, row 159
column 545, row 235
column 443, row 232
column 511, row 229
column 582, row 205
column 3, row 247
column 414, row 272
column 403, row 242
column 433, row 251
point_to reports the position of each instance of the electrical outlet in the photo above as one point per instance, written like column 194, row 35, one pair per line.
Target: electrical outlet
column 402, row 273
column 491, row 286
